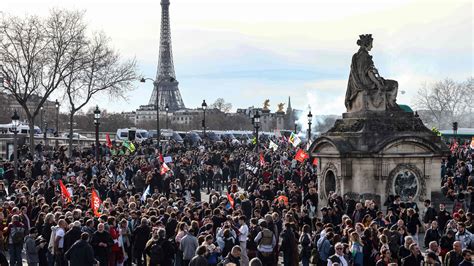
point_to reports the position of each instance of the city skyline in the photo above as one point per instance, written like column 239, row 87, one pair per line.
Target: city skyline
column 248, row 51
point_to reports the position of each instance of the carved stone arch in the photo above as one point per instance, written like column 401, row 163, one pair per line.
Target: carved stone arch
column 403, row 178
column 422, row 143
column 330, row 180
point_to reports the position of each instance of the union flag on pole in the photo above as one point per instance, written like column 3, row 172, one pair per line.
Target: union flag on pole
column 95, row 203
column 262, row 159
column 65, row 192
column 109, row 142
column 164, row 169
column 231, row 200
column 315, row 161
column 301, row 155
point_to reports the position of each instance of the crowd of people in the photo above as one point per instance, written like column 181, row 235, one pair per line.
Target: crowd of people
column 218, row 204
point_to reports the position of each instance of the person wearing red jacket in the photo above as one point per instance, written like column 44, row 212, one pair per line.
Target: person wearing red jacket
column 116, row 256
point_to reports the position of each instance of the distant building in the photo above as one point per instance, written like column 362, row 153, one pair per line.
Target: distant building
column 9, row 104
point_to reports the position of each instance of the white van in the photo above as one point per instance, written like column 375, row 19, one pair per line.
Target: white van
column 21, row 129
column 128, row 133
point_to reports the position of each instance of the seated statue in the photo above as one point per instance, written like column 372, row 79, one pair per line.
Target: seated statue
column 366, row 89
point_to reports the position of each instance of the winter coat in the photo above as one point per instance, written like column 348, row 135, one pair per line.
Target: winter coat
column 80, row 254
column 31, row 250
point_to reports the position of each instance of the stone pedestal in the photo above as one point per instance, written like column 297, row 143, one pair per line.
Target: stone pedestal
column 374, row 154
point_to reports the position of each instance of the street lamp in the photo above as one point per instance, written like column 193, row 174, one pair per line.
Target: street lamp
column 56, row 104
column 157, row 86
column 310, row 121
column 15, row 124
column 204, row 107
column 97, row 123
column 41, row 116
column 167, row 109
column 256, row 122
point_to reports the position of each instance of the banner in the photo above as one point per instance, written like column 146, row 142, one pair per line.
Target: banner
column 65, row 192
column 273, row 146
column 231, row 200
column 294, row 139
column 96, row 203
column 128, row 145
column 109, row 142
column 167, row 159
column 301, row 155
column 146, row 193
column 164, row 168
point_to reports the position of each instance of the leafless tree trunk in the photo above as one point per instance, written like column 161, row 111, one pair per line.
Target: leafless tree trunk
column 98, row 71
column 37, row 54
column 446, row 101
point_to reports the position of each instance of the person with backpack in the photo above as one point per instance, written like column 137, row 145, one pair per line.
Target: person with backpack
column 266, row 242
column 306, row 245
column 159, row 250
column 31, row 249
column 16, row 235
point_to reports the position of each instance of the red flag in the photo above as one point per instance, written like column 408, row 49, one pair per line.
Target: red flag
column 109, row 142
column 301, row 155
column 95, row 203
column 231, row 200
column 262, row 159
column 164, row 169
column 64, row 191
column 315, row 161
column 161, row 158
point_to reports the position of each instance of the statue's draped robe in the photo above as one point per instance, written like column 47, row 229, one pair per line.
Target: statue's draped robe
column 359, row 78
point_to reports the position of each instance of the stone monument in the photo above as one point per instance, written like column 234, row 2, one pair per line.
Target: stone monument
column 377, row 149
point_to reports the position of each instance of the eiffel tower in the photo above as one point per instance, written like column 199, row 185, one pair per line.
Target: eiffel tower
column 165, row 83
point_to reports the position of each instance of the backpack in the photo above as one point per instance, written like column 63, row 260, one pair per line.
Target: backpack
column 18, row 235
column 157, row 253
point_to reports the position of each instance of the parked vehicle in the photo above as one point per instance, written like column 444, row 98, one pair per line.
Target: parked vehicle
column 190, row 138
column 131, row 134
column 21, row 129
column 210, row 135
column 228, row 136
column 75, row 136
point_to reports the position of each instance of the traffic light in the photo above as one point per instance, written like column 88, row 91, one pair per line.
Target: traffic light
column 455, row 126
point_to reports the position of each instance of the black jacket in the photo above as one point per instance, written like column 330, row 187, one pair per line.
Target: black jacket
column 80, row 254
column 104, row 237
column 412, row 260
column 71, row 237
column 431, row 235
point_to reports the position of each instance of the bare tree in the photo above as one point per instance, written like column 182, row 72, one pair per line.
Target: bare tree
column 37, row 54
column 98, row 71
column 221, row 105
column 445, row 101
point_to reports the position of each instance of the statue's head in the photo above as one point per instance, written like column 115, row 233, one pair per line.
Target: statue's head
column 365, row 41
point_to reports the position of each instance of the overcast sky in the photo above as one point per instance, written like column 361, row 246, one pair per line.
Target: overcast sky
column 249, row 50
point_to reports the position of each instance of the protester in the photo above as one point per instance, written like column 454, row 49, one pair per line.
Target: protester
column 219, row 203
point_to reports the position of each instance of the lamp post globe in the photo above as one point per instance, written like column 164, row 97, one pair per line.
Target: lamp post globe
column 15, row 124
column 97, row 123
column 310, row 122
column 56, row 104
column 256, row 121
column 167, row 108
